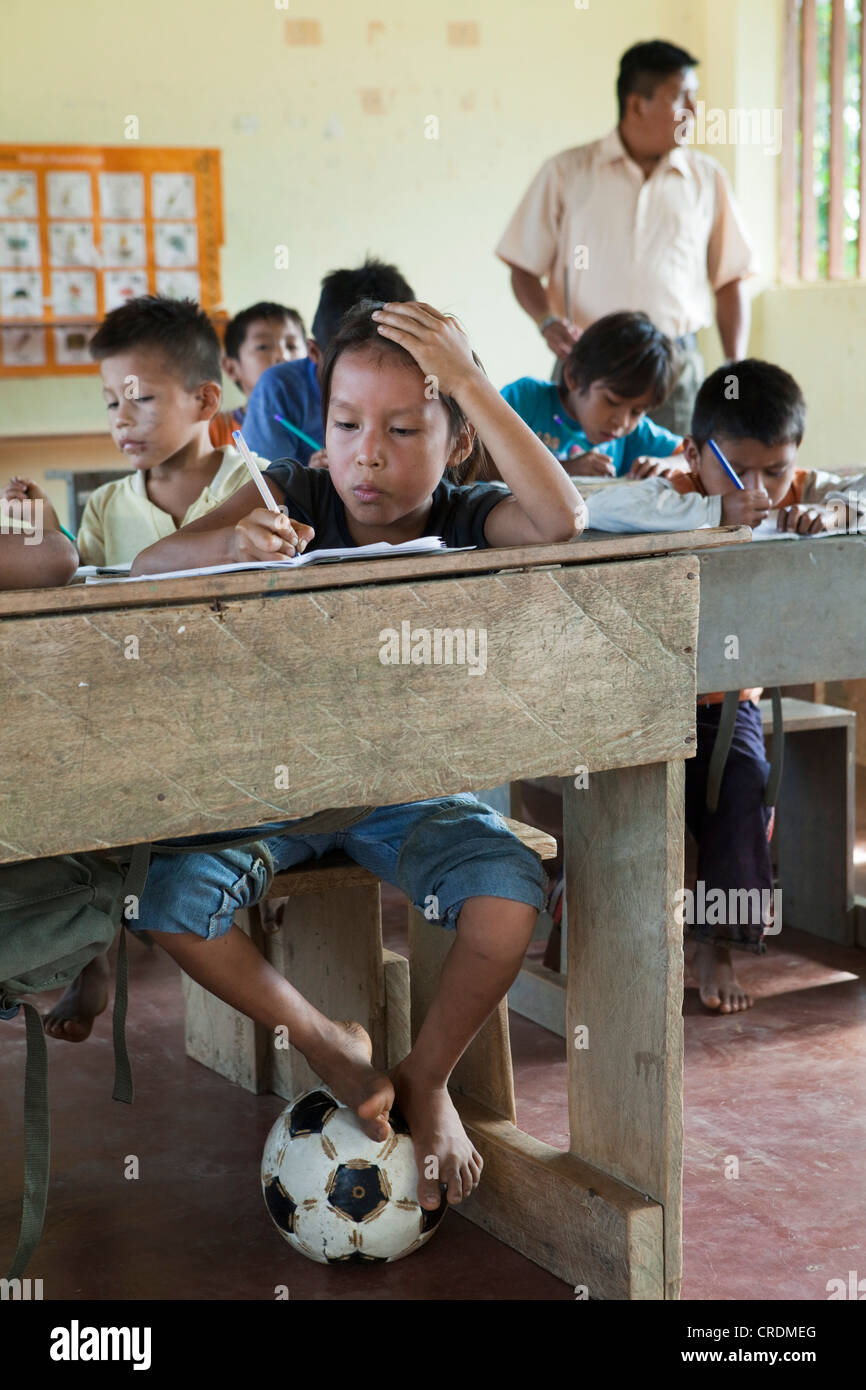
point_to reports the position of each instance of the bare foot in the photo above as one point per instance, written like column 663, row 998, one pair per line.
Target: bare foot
column 719, row 987
column 72, row 1016
column 436, row 1134
column 341, row 1057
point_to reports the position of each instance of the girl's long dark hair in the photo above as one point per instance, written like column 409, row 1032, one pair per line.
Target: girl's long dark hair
column 359, row 330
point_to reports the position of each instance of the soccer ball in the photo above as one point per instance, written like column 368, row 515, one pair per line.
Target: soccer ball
column 337, row 1196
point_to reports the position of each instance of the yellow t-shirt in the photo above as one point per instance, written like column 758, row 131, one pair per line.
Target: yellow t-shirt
column 120, row 520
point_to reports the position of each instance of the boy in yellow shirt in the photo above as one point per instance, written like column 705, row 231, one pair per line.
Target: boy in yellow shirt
column 161, row 379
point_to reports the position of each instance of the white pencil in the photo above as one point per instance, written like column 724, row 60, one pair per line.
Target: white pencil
column 255, row 472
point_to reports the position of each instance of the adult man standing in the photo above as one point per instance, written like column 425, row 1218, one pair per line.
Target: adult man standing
column 636, row 220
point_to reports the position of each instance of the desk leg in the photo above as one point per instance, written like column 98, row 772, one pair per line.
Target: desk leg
column 624, row 863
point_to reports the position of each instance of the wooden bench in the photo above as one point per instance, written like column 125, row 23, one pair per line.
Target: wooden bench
column 327, row 940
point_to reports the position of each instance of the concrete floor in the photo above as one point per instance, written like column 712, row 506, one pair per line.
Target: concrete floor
column 780, row 1088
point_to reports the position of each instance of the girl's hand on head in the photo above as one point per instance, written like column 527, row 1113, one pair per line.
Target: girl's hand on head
column 745, row 508
column 267, row 535
column 806, row 520
column 589, row 464
column 437, row 342
column 318, row 460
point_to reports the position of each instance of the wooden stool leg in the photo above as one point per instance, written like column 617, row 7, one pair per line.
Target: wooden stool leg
column 398, row 1033
column 330, row 948
column 624, row 864
column 484, row 1071
column 217, row 1035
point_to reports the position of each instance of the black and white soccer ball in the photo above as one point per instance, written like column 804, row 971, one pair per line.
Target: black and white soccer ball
column 337, row 1196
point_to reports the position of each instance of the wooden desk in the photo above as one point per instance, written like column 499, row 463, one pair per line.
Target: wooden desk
column 798, row 611
column 590, row 661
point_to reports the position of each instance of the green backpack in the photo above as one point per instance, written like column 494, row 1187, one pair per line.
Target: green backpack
column 56, row 915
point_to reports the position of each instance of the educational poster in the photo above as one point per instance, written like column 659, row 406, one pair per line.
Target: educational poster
column 83, row 229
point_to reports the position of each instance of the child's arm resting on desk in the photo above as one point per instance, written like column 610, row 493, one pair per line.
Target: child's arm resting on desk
column 828, row 503
column 544, row 505
column 28, row 564
column 654, row 504
column 241, row 529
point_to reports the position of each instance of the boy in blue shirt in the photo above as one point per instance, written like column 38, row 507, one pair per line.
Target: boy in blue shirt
column 291, row 389
column 594, row 420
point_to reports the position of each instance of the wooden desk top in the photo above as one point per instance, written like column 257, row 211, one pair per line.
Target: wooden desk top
column 594, row 546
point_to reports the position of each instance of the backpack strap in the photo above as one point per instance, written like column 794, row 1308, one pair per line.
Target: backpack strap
column 133, row 886
column 777, row 750
column 722, row 747
column 37, row 1140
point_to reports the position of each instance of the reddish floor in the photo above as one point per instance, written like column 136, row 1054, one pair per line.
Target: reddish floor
column 781, row 1089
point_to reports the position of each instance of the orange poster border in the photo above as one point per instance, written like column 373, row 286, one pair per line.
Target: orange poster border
column 204, row 163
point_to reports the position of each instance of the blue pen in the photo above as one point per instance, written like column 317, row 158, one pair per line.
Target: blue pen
column 300, row 433
column 724, row 462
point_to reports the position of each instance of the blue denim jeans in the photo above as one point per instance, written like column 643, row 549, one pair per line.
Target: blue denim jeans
column 439, row 853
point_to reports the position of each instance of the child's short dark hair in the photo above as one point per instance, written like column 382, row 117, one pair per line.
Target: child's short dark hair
column 238, row 327
column 179, row 329
column 359, row 330
column 750, row 399
column 643, row 66
column 342, row 289
column 628, row 353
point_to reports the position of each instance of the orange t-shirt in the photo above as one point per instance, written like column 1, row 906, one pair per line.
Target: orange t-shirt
column 222, row 424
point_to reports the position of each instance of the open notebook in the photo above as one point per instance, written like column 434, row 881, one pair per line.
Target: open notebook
column 423, row 545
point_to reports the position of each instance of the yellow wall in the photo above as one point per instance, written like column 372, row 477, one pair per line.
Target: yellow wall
column 309, row 160
column 306, row 162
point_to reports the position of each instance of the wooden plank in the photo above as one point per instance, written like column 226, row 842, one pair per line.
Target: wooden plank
column 836, row 215
column 319, row 877
column 163, row 745
column 807, row 586
column 330, row 948
column 539, row 993
column 398, row 1011
column 217, row 1035
column 808, row 204
column 624, row 864
column 484, row 1071
column 790, row 120
column 218, row 588
column 798, row 716
column 578, row 1223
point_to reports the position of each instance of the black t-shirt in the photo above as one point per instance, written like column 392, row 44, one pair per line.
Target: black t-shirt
column 457, row 515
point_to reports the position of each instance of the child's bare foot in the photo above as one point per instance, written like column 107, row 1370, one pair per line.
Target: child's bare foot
column 436, row 1133
column 341, row 1057
column 72, row 1016
column 719, row 987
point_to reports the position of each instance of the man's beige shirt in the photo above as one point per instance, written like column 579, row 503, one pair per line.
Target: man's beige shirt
column 597, row 228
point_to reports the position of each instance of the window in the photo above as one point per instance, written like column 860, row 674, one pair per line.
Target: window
column 824, row 146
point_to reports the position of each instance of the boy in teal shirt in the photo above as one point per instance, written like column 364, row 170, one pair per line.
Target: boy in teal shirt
column 594, row 421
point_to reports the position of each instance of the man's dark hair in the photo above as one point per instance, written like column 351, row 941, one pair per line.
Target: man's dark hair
column 238, row 327
column 628, row 353
column 179, row 329
column 643, row 66
column 749, row 400
column 342, row 289
column 359, row 331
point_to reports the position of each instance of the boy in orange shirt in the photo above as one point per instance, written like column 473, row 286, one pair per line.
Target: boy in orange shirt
column 255, row 339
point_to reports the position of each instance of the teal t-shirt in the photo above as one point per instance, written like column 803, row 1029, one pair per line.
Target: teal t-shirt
column 538, row 404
